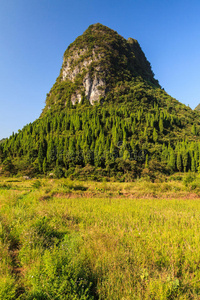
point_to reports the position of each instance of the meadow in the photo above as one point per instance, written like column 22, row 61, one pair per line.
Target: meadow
column 62, row 239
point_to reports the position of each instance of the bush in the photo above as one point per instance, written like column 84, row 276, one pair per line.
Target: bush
column 37, row 184
column 155, row 171
column 189, row 178
column 176, row 177
column 8, row 168
column 7, row 288
column 58, row 172
column 63, row 273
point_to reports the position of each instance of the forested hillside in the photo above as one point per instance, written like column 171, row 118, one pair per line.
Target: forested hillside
column 134, row 129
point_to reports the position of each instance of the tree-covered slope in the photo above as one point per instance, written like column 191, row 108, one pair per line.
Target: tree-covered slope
column 106, row 115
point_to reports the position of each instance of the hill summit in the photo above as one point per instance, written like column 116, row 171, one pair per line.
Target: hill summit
column 94, row 63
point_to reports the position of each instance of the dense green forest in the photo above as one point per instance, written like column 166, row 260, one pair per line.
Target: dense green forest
column 135, row 129
column 141, row 131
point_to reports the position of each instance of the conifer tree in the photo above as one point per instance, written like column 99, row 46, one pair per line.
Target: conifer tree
column 172, row 159
column 65, row 152
column 179, row 162
column 193, row 129
column 185, row 160
column 60, row 150
column 41, row 154
column 155, row 135
column 152, row 121
column 199, row 167
column 161, row 125
column 147, row 161
column 164, row 154
column 101, row 156
column 44, row 166
column 72, row 152
column 51, row 153
column 193, row 165
column 126, row 154
column 97, row 162
column 86, row 154
column 58, row 170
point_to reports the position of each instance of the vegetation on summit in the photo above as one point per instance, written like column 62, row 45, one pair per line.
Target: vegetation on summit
column 198, row 107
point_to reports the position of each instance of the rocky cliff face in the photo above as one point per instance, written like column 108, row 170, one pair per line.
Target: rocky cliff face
column 94, row 63
column 79, row 64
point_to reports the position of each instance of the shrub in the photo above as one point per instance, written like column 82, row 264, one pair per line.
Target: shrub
column 62, row 274
column 37, row 184
column 58, row 172
column 7, row 288
column 189, row 178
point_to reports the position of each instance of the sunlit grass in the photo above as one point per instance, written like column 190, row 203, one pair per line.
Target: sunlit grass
column 59, row 242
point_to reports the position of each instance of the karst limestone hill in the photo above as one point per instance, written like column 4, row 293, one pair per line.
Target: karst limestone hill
column 106, row 116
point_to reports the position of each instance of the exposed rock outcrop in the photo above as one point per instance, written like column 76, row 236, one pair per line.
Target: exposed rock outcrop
column 80, row 63
column 95, row 87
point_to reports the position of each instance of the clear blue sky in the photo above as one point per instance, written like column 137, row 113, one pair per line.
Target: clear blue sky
column 35, row 33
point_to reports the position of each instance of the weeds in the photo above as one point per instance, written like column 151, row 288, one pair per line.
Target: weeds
column 37, row 184
column 5, row 186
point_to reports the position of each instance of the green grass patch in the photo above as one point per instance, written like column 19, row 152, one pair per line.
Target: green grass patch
column 108, row 246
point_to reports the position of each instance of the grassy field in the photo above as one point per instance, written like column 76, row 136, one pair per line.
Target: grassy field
column 83, row 240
